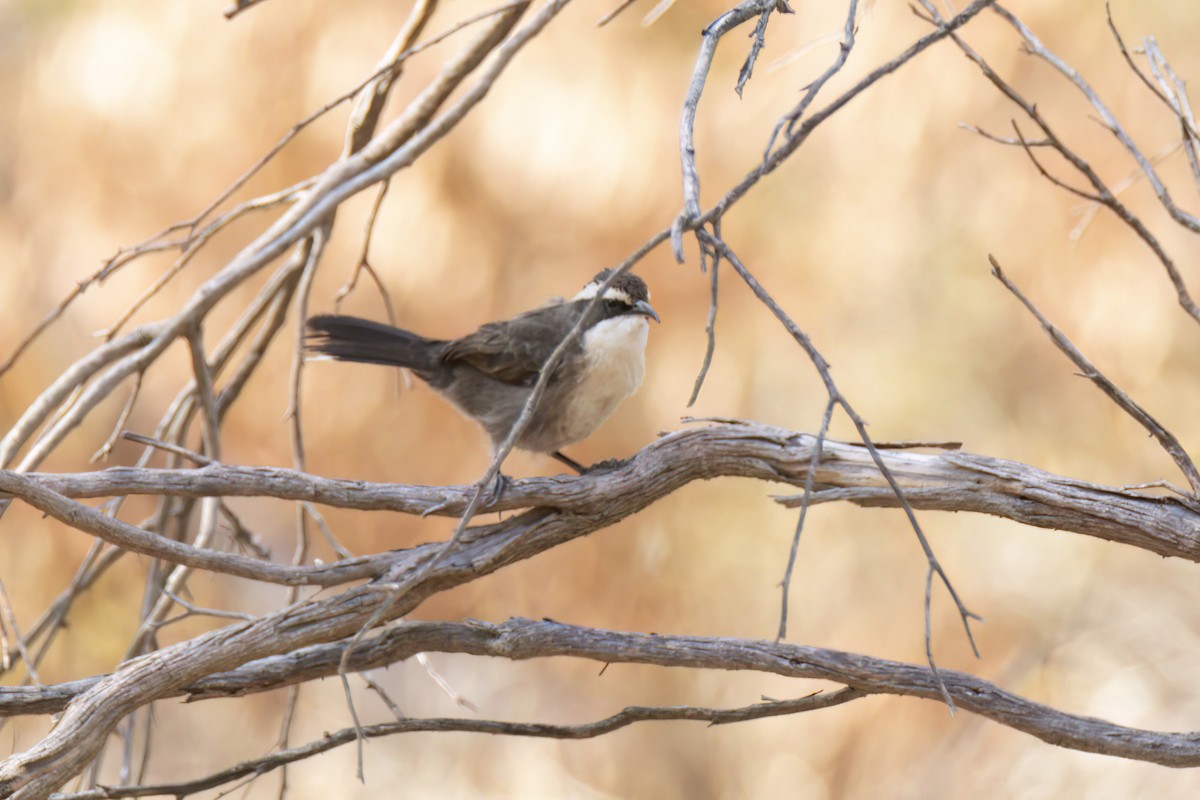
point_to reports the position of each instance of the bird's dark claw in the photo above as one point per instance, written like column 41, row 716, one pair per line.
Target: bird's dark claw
column 499, row 487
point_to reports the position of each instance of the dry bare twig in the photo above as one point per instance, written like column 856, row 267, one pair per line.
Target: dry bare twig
column 1110, row 121
column 836, row 398
column 1101, row 193
column 1164, row 437
column 622, row 719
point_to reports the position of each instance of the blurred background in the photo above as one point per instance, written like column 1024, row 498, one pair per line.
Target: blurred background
column 121, row 117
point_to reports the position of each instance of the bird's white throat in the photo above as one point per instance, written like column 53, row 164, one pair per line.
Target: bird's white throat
column 614, row 362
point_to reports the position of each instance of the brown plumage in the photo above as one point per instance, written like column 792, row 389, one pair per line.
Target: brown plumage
column 489, row 373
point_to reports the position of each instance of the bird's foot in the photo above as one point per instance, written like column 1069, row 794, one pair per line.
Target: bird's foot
column 499, row 487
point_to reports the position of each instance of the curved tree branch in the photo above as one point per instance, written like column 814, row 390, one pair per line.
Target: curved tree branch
column 941, row 481
column 521, row 639
column 1162, row 525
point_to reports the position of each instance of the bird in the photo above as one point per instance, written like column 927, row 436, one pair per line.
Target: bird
column 490, row 373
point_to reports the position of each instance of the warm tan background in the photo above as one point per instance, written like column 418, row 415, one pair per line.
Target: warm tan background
column 122, row 116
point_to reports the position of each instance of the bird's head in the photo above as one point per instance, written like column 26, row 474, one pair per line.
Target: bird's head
column 627, row 294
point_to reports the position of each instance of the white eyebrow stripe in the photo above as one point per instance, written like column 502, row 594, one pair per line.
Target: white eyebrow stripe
column 613, row 293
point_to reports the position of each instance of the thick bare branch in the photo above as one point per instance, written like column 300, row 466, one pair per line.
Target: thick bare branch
column 132, row 538
column 946, row 481
column 522, row 639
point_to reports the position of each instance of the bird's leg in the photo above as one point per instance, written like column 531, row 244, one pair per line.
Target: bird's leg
column 600, row 466
column 570, row 462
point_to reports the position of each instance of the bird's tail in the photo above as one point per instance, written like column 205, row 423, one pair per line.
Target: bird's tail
column 353, row 339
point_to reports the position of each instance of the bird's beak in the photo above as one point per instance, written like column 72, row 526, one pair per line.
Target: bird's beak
column 646, row 310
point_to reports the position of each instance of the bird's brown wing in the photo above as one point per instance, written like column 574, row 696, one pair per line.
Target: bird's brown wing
column 513, row 351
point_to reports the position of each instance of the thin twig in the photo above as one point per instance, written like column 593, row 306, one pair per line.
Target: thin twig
column 243, row 536
column 360, row 735
column 8, row 621
column 775, row 158
column 835, row 395
column 1093, row 208
column 239, row 6
column 1089, row 196
column 364, row 264
column 624, row 718
column 1176, row 88
column 382, row 694
column 743, row 12
column 330, row 538
column 937, row 675
column 1037, row 48
column 195, row 610
column 443, row 684
column 758, row 42
column 1009, row 140
column 654, row 14
column 611, row 15
column 786, row 584
column 312, row 248
column 196, row 241
column 169, row 447
column 285, row 733
column 710, row 328
column 792, row 118
column 119, row 426
column 1112, row 26
column 172, row 587
column 1164, row 437
column 1105, row 196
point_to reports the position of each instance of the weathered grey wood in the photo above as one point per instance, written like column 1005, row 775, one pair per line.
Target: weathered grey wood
column 944, row 481
column 568, row 508
column 521, row 639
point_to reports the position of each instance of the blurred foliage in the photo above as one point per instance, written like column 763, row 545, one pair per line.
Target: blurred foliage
column 122, row 117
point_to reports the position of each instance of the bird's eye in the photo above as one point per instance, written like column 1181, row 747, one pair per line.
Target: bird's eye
column 616, row 306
